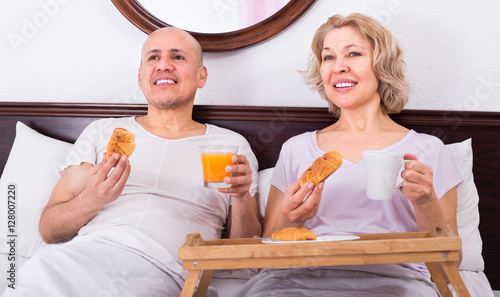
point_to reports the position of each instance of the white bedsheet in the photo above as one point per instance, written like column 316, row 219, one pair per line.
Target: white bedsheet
column 476, row 282
column 340, row 281
column 87, row 267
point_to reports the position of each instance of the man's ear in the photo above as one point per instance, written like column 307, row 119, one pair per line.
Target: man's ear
column 203, row 73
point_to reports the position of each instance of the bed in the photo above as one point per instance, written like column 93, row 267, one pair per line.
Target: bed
column 473, row 138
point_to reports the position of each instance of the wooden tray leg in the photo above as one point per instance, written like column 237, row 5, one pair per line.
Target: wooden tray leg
column 206, row 276
column 438, row 279
column 455, row 279
column 190, row 283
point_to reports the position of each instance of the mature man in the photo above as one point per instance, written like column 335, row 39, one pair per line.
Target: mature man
column 122, row 221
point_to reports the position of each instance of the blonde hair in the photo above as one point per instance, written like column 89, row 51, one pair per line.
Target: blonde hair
column 388, row 61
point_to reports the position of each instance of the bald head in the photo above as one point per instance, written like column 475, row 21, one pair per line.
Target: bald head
column 174, row 35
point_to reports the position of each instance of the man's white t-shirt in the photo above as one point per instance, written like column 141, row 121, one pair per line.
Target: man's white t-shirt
column 164, row 198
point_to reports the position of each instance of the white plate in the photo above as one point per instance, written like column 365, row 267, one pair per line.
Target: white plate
column 318, row 239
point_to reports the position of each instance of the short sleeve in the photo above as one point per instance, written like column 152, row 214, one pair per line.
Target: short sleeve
column 281, row 175
column 445, row 174
column 296, row 155
column 89, row 143
column 430, row 150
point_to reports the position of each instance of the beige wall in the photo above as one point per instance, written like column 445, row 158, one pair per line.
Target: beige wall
column 86, row 51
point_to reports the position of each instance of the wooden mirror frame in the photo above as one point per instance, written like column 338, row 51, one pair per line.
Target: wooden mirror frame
column 263, row 30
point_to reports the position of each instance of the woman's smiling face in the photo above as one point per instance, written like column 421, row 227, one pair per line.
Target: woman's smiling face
column 347, row 69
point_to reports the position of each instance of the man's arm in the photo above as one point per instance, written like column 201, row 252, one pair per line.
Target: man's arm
column 79, row 195
column 243, row 220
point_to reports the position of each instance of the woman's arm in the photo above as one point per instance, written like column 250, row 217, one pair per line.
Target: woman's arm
column 429, row 210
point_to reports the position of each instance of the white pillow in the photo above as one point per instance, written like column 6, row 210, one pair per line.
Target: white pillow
column 264, row 183
column 33, row 167
column 467, row 208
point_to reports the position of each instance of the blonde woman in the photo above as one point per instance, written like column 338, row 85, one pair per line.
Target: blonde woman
column 357, row 67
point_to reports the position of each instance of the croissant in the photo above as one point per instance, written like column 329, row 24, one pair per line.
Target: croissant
column 122, row 142
column 322, row 168
column 294, row 234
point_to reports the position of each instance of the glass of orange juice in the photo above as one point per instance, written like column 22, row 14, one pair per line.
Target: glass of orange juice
column 214, row 159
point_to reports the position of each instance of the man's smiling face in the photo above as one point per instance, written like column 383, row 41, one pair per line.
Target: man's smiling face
column 171, row 68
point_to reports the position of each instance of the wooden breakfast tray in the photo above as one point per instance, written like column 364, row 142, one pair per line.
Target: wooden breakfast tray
column 438, row 249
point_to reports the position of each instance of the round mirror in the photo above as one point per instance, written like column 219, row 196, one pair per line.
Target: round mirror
column 216, row 16
column 218, row 25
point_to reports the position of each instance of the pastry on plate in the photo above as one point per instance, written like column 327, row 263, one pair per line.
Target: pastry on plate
column 294, row 234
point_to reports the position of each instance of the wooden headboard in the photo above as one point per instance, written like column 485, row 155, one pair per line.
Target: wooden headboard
column 266, row 128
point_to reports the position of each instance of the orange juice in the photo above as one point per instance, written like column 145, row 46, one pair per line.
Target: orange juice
column 214, row 165
column 214, row 159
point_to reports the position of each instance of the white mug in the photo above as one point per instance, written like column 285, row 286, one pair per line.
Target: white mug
column 382, row 169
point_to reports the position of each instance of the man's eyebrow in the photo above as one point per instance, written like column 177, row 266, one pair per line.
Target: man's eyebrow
column 153, row 51
column 173, row 50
